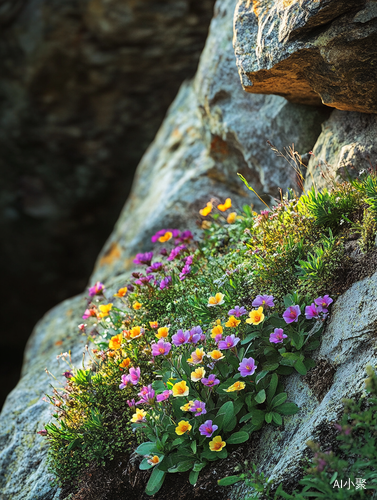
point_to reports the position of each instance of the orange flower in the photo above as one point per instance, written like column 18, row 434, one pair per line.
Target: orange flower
column 154, row 460
column 256, row 316
column 137, row 305
column 180, row 389
column 116, row 341
column 225, row 206
column 237, row 386
column 217, row 444
column 136, row 332
column 127, row 334
column 153, row 324
column 167, row 236
column 105, row 309
column 217, row 300
column 232, row 322
column 231, row 217
column 162, row 332
column 216, row 355
column 125, row 363
column 217, row 330
column 206, row 210
column 121, row 292
column 183, row 426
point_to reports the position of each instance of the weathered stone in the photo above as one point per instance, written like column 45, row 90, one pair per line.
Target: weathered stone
column 346, row 146
column 309, row 51
column 348, row 344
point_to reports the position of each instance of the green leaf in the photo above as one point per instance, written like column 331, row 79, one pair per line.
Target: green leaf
column 260, row 376
column 279, row 399
column 261, row 396
column 193, row 447
column 257, row 416
column 277, row 418
column 228, row 481
column 225, row 417
column 198, row 466
column 238, row 437
column 147, row 448
column 284, row 370
column 144, row 465
column 193, row 477
column 155, row 481
column 268, row 417
column 250, row 337
column 245, row 418
column 287, row 409
column 300, row 367
column 270, row 367
column 182, row 466
column 272, row 387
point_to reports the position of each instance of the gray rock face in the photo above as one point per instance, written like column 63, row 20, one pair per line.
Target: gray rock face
column 346, row 145
column 309, row 51
column 348, row 345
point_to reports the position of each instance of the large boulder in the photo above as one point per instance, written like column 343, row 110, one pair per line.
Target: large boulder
column 309, row 51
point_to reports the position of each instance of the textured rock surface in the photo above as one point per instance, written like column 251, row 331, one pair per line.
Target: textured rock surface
column 348, row 344
column 84, row 86
column 347, row 144
column 309, row 51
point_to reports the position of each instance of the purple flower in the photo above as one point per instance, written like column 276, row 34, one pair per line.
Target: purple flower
column 263, row 300
column 68, row 374
column 163, row 252
column 186, row 270
column 176, row 251
column 207, row 429
column 163, row 396
column 161, row 348
column 147, row 395
column 143, row 280
column 291, row 314
column 278, row 336
column 154, row 268
column 180, row 338
column 134, row 375
column 125, row 381
column 97, row 289
column 130, row 288
column 195, row 335
column 247, row 367
column 131, row 404
column 312, row 311
column 229, row 342
column 324, row 302
column 185, row 236
column 237, row 311
column 189, row 260
column 198, row 408
column 210, row 381
column 165, row 283
column 143, row 258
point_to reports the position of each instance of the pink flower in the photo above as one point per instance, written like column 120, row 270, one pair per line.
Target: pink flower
column 324, row 302
column 185, row 271
column 278, row 336
column 134, row 375
column 143, row 258
column 176, row 251
column 312, row 311
column 161, row 348
column 97, row 289
column 291, row 314
column 163, row 396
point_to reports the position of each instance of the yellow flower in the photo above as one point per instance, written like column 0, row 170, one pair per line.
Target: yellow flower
column 183, row 426
column 116, row 341
column 256, row 316
column 237, row 386
column 226, row 205
column 187, row 406
column 206, row 210
column 162, row 332
column 154, row 460
column 217, row 444
column 180, row 389
column 217, row 330
column 198, row 374
column 232, row 322
column 216, row 300
column 216, row 355
column 167, row 236
column 105, row 309
column 136, row 332
column 196, row 356
column 121, row 292
column 137, row 305
column 125, row 363
column 139, row 416
column 153, row 324
column 231, row 217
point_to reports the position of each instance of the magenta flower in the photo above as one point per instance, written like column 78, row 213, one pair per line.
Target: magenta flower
column 161, row 232
column 147, row 395
column 97, row 289
column 163, row 252
column 189, row 260
column 208, row 428
column 312, row 311
column 218, row 337
column 237, row 311
column 278, row 336
column 131, row 404
column 247, row 367
column 125, row 381
column 68, row 374
column 185, row 236
column 210, row 381
column 291, row 314
column 264, row 213
column 165, row 283
column 157, row 266
column 143, row 258
column 134, row 375
column 198, row 408
column 185, row 271
column 143, row 280
column 229, row 342
column 324, row 302
column 130, row 288
column 161, row 348
column 263, row 300
column 180, row 338
column 176, row 251
column 88, row 313
column 163, row 396
column 195, row 335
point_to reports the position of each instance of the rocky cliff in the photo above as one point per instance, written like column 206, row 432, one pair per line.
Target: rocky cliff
column 213, row 130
